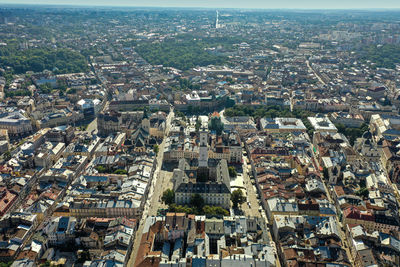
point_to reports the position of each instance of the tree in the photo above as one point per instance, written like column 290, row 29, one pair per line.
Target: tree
column 168, row 197
column 156, row 149
column 6, row 264
column 7, row 155
column 46, row 264
column 198, row 124
column 215, row 210
column 325, row 173
column 100, row 187
column 101, row 169
column 120, row 171
column 184, row 52
column 197, row 201
column 216, row 125
column 84, row 256
column 237, row 198
column 232, row 171
column 38, row 59
column 362, row 192
column 352, row 133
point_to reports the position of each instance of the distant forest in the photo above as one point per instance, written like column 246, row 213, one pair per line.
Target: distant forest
column 384, row 56
column 185, row 52
column 39, row 59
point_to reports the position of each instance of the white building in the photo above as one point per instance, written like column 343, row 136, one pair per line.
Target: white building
column 322, row 124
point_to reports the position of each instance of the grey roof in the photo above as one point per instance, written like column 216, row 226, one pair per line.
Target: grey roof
column 202, row 188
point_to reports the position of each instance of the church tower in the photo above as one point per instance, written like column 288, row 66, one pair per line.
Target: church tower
column 203, row 151
column 146, row 121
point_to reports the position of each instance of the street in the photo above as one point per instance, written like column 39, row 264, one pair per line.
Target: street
column 315, row 73
column 161, row 181
column 252, row 198
column 92, row 127
column 339, row 224
column 253, row 210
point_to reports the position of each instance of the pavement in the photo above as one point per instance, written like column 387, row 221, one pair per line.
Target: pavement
column 92, row 127
column 161, row 181
column 254, row 202
column 251, row 194
column 342, row 234
column 315, row 73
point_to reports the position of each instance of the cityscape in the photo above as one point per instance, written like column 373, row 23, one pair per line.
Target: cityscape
column 199, row 137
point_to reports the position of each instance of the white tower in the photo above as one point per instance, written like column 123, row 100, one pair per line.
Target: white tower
column 203, row 151
column 216, row 21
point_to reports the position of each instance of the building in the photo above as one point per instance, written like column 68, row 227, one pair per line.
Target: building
column 322, row 123
column 55, row 118
column 16, row 124
column 7, row 199
column 282, row 125
column 105, row 208
column 207, row 177
column 61, row 231
column 347, row 119
column 89, row 107
column 180, row 239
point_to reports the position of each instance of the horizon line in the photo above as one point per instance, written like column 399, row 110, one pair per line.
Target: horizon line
column 56, row 5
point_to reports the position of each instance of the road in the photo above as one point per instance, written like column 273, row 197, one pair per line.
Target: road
column 161, row 180
column 342, row 234
column 255, row 205
column 251, row 194
column 315, row 73
column 92, row 127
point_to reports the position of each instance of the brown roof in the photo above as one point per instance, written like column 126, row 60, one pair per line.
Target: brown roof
column 27, row 254
column 290, row 253
column 146, row 245
column 339, row 190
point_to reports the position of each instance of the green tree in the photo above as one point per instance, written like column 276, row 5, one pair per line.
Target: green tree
column 216, row 125
column 7, row 155
column 325, row 173
column 184, row 52
column 46, row 264
column 168, row 197
column 352, row 133
column 237, row 198
column 198, row 124
column 156, row 149
column 62, row 85
column 197, row 201
column 84, row 256
column 120, row 171
column 232, row 171
column 6, row 264
column 101, row 169
column 38, row 59
column 215, row 210
column 362, row 192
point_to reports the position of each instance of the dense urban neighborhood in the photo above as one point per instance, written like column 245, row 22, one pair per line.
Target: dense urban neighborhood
column 154, row 137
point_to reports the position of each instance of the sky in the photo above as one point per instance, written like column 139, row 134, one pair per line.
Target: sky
column 264, row 4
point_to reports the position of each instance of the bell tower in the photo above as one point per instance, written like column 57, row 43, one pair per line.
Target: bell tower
column 203, row 151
